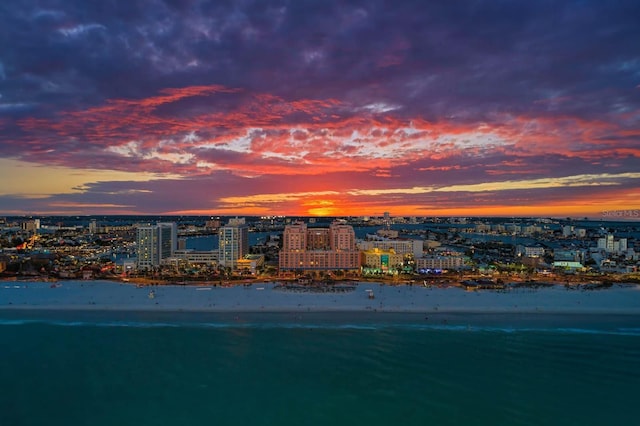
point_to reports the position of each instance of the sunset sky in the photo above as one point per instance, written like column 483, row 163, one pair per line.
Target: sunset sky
column 417, row 108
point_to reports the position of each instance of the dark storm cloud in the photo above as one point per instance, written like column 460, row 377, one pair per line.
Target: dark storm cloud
column 271, row 89
column 433, row 58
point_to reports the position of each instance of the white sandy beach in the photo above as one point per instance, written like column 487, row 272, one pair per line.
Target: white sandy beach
column 107, row 295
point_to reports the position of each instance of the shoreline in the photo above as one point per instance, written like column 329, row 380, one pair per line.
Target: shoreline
column 534, row 312
column 344, row 321
column 365, row 297
column 441, row 282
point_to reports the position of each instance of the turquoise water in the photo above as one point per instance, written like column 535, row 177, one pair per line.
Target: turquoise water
column 283, row 369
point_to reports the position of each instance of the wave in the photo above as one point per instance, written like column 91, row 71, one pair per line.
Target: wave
column 240, row 323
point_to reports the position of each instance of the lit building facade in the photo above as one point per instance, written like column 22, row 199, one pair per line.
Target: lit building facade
column 156, row 243
column 251, row 263
column 400, row 245
column 320, row 249
column 529, row 251
column 440, row 262
column 379, row 260
column 198, row 256
column 233, row 243
column 610, row 245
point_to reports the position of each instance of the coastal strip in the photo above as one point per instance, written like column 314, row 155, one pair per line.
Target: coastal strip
column 358, row 297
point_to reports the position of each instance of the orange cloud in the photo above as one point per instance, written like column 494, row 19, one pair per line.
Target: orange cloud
column 263, row 134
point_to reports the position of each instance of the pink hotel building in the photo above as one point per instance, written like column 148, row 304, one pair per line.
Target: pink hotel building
column 319, row 249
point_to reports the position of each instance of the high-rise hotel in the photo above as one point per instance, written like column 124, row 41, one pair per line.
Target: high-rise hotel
column 319, row 249
column 233, row 242
column 156, row 243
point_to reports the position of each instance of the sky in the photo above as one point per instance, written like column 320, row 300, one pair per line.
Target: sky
column 320, row 108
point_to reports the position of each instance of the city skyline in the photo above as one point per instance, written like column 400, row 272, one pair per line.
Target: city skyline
column 319, row 108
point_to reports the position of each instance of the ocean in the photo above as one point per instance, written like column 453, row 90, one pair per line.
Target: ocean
column 136, row 368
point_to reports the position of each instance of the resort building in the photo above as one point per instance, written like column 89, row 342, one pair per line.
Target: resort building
column 319, row 249
column 567, row 265
column 156, row 243
column 208, row 257
column 233, row 242
column 433, row 262
column 382, row 261
column 610, row 245
column 529, row 251
column 399, row 245
column 250, row 263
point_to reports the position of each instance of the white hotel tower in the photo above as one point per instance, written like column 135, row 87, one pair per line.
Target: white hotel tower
column 156, row 243
column 233, row 242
